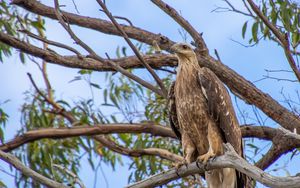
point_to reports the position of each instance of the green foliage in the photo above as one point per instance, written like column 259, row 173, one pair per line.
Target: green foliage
column 3, row 120
column 12, row 20
column 41, row 155
column 284, row 14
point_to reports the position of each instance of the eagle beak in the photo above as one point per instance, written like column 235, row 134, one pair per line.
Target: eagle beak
column 173, row 49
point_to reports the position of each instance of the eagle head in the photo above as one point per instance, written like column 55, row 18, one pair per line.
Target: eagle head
column 184, row 52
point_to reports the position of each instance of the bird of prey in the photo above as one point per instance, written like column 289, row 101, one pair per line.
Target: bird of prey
column 202, row 117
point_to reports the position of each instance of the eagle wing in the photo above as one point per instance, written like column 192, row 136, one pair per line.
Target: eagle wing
column 221, row 110
column 220, row 107
column 172, row 111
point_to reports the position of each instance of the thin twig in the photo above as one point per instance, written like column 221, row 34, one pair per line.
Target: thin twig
column 57, row 107
column 135, row 50
column 51, row 42
column 74, row 176
column 123, row 18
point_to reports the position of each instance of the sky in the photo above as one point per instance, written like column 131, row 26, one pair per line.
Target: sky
column 219, row 31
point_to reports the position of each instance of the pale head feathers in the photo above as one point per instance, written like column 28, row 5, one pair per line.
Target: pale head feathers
column 184, row 52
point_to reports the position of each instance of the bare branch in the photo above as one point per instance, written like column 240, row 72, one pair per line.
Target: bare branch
column 135, row 50
column 229, row 159
column 12, row 160
column 184, row 23
column 233, row 9
column 110, row 144
column 67, row 27
column 51, row 42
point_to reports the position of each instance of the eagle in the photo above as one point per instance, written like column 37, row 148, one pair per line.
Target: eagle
column 202, row 117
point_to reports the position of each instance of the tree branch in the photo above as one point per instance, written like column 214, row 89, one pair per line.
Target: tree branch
column 110, row 144
column 85, row 130
column 100, row 25
column 12, row 160
column 135, row 50
column 185, row 24
column 51, row 42
column 229, row 159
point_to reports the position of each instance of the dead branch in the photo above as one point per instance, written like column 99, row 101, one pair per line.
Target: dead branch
column 12, row 160
column 229, row 159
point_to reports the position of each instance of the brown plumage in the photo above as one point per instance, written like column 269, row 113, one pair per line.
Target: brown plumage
column 202, row 116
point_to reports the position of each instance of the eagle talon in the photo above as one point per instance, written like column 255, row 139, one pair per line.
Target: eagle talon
column 198, row 164
column 205, row 157
column 181, row 163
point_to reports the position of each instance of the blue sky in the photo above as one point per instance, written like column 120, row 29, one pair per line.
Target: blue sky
column 218, row 31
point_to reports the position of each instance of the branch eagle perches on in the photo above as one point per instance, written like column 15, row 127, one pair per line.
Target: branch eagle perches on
column 229, row 159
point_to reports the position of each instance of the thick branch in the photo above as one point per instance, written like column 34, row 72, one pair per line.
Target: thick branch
column 12, row 160
column 165, row 154
column 235, row 82
column 229, row 159
column 56, row 133
column 155, row 61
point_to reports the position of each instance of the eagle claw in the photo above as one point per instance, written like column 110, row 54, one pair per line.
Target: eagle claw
column 177, row 165
column 205, row 157
column 181, row 163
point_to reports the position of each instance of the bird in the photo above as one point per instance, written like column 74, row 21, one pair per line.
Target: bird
column 203, row 118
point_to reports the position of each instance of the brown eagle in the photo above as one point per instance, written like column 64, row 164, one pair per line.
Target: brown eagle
column 203, row 118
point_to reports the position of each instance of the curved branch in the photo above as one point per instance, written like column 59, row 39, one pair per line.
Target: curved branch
column 229, row 159
column 56, row 133
column 14, row 161
column 165, row 154
column 156, row 61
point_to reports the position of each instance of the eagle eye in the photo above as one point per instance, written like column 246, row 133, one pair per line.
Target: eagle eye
column 185, row 47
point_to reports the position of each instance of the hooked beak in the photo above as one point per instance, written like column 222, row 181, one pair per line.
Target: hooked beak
column 173, row 49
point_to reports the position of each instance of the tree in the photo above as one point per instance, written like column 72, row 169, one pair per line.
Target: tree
column 56, row 132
